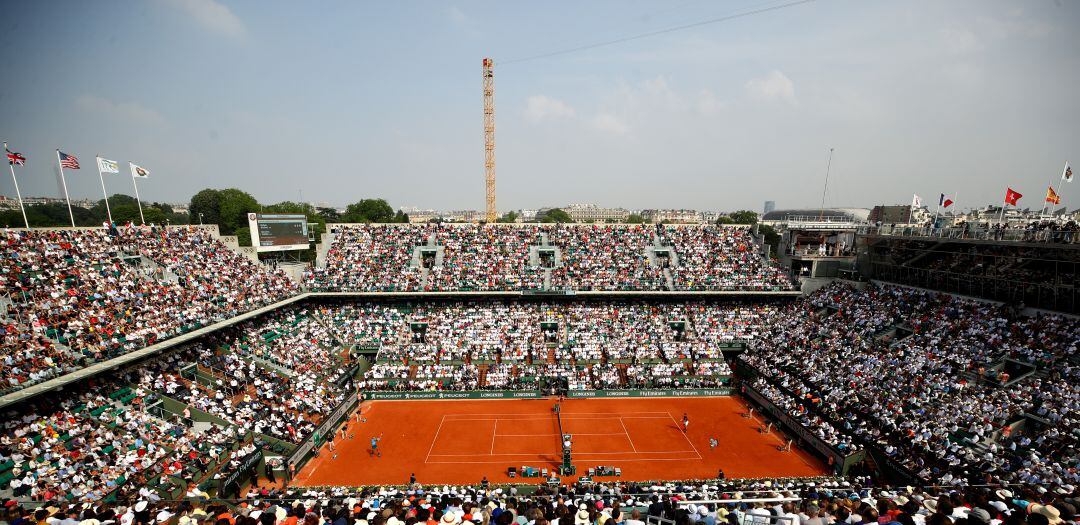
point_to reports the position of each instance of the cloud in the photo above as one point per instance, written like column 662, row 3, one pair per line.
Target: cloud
column 463, row 21
column 132, row 112
column 610, row 123
column 960, row 41
column 211, row 15
column 775, row 85
column 708, row 103
column 542, row 107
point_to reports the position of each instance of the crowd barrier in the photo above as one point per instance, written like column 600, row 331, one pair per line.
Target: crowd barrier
column 327, row 427
column 664, row 392
column 462, row 394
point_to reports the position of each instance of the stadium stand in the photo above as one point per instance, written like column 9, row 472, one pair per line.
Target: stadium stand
column 948, row 388
column 717, row 258
column 583, row 257
column 1040, row 268
column 594, row 344
column 85, row 295
column 933, row 387
column 177, row 421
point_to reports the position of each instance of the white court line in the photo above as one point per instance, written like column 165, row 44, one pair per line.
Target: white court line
column 587, row 418
column 535, row 459
column 575, row 455
column 432, row 447
column 513, row 415
column 685, row 436
column 494, row 432
column 548, row 452
column 574, row 433
column 627, row 432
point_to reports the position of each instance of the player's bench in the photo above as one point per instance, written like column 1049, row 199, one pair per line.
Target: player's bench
column 527, row 472
column 605, row 471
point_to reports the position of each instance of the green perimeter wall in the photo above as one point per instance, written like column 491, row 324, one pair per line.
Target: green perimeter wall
column 534, row 394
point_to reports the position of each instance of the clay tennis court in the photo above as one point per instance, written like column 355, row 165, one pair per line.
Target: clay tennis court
column 463, row 441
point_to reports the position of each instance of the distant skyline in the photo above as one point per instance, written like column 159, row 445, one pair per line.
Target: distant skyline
column 343, row 101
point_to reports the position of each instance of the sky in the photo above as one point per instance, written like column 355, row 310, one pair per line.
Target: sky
column 332, row 102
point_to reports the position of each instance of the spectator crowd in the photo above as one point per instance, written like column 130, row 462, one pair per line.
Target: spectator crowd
column 950, row 388
column 74, row 297
column 597, row 257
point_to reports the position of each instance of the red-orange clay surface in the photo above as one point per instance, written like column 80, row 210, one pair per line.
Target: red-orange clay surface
column 463, row 441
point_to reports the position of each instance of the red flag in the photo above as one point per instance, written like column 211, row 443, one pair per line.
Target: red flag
column 1011, row 196
column 947, row 203
column 1052, row 196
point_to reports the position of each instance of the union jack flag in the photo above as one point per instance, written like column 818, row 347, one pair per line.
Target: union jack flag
column 14, row 158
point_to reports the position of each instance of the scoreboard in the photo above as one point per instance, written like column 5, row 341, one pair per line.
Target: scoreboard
column 278, row 232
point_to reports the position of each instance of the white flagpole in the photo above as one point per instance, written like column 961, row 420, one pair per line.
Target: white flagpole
column 64, row 181
column 108, row 211
column 17, row 192
column 1042, row 211
column 133, row 181
column 1061, row 178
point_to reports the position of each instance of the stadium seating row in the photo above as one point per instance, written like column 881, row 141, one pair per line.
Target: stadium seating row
column 468, row 257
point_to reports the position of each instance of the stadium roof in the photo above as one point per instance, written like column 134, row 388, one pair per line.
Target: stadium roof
column 845, row 214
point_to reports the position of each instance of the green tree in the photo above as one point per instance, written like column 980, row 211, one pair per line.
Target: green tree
column 329, row 214
column 234, row 207
column 205, row 207
column 724, row 219
column 508, row 217
column 125, row 213
column 369, row 210
column 243, row 236
column 772, row 238
column 635, row 218
column 116, row 201
column 556, row 215
column 744, row 217
column 401, row 216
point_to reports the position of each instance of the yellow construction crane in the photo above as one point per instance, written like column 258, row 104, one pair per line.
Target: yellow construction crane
column 489, row 137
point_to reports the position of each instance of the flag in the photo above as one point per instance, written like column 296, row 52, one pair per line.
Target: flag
column 916, row 202
column 68, row 161
column 139, row 171
column 1052, row 196
column 107, row 166
column 1066, row 175
column 944, row 201
column 14, row 158
column 1011, row 196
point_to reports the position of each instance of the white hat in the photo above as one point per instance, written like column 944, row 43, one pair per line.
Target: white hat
column 582, row 517
column 1052, row 513
column 141, row 506
column 163, row 516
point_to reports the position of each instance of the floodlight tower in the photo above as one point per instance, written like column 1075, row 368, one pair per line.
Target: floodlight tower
column 489, row 137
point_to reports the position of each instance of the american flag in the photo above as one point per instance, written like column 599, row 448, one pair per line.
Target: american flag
column 68, row 161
